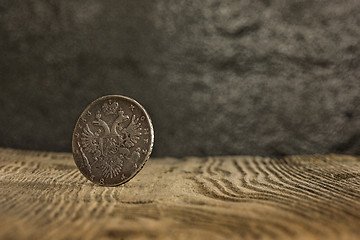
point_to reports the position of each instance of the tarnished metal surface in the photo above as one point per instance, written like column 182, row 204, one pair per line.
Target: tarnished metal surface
column 112, row 140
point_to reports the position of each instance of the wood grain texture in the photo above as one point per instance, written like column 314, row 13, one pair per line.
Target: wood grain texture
column 44, row 196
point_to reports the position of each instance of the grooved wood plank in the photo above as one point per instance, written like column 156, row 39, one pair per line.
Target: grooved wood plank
column 44, row 196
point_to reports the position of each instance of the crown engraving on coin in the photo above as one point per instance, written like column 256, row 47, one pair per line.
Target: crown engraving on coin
column 112, row 140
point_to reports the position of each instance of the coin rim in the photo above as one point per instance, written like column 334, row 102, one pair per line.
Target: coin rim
column 149, row 149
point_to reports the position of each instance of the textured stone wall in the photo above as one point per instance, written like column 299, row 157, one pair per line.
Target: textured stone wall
column 217, row 76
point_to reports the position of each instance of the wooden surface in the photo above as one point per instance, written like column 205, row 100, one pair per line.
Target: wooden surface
column 44, row 196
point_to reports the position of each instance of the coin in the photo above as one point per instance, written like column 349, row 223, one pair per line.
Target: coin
column 112, row 140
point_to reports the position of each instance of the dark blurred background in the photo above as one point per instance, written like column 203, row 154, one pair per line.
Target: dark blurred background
column 218, row 77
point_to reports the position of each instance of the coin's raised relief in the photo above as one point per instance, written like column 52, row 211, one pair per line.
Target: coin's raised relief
column 112, row 140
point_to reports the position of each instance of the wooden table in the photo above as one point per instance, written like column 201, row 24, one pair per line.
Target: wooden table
column 44, row 196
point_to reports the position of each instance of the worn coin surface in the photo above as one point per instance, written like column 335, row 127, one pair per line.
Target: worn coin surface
column 112, row 140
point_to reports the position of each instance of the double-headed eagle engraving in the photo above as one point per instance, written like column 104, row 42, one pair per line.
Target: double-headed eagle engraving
column 110, row 144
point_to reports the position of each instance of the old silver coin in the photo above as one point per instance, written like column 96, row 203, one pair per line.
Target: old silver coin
column 112, row 140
